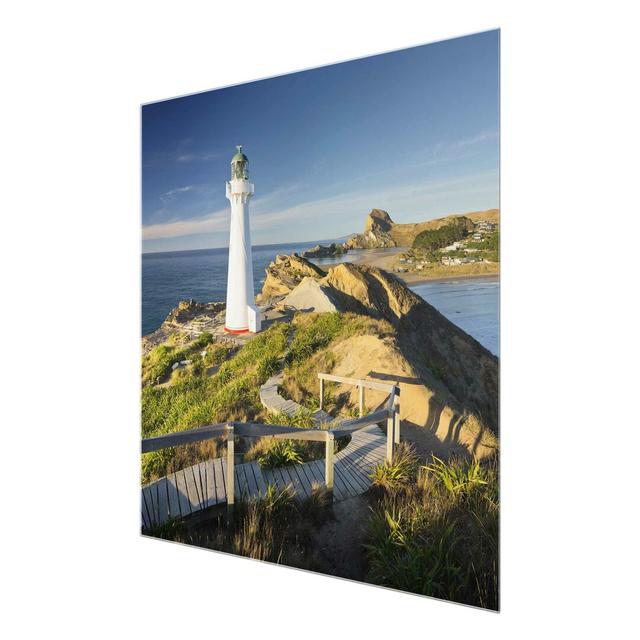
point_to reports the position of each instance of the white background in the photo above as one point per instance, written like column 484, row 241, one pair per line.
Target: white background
column 74, row 74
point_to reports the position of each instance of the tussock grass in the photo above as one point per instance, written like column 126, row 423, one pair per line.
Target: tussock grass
column 277, row 527
column 400, row 472
column 274, row 527
column 438, row 534
column 280, row 453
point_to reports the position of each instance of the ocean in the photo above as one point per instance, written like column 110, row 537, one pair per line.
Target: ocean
column 168, row 277
column 472, row 303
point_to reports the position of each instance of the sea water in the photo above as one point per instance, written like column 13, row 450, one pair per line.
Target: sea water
column 471, row 303
column 168, row 277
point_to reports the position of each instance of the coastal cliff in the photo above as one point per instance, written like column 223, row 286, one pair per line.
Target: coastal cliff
column 381, row 231
column 456, row 375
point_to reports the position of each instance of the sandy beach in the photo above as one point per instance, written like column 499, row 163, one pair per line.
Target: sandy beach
column 384, row 258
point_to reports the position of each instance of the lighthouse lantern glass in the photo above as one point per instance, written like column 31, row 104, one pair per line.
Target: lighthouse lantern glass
column 239, row 166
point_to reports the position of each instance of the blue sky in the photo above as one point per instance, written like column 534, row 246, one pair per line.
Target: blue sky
column 414, row 132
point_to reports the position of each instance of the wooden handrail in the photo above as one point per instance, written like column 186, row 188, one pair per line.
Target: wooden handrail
column 349, row 426
column 251, row 429
column 259, row 430
column 183, row 437
column 357, row 382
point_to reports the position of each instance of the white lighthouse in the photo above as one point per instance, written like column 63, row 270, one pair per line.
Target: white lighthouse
column 242, row 315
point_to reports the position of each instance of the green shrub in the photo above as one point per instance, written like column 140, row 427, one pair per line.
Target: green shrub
column 431, row 239
column 438, row 535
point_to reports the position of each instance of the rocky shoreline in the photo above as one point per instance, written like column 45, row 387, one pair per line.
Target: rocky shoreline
column 322, row 251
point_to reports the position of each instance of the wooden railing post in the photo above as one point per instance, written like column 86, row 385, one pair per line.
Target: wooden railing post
column 230, row 469
column 390, row 424
column 328, row 462
column 321, row 392
column 361, row 399
column 396, row 406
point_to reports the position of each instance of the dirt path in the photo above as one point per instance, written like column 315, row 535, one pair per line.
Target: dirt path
column 338, row 542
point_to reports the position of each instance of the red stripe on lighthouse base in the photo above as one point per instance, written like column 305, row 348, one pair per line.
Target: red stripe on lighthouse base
column 227, row 330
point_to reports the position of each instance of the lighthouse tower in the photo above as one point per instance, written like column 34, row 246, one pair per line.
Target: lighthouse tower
column 242, row 315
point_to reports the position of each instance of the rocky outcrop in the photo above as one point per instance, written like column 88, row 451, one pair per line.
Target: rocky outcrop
column 188, row 310
column 207, row 315
column 376, row 232
column 311, row 295
column 284, row 274
column 320, row 251
column 378, row 221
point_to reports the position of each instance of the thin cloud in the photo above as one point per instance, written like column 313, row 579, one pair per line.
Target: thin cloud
column 479, row 137
column 217, row 221
column 172, row 193
column 399, row 201
column 212, row 222
column 198, row 157
column 402, row 201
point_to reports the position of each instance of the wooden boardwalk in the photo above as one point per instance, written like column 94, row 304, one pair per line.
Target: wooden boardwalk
column 352, row 467
column 195, row 488
column 203, row 485
column 273, row 401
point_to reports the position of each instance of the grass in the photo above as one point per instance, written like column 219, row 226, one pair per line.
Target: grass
column 280, row 453
column 196, row 400
column 311, row 353
column 274, row 527
column 278, row 528
column 434, row 531
column 156, row 365
column 400, row 472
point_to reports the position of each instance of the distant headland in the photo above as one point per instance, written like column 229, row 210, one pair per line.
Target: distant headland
column 454, row 246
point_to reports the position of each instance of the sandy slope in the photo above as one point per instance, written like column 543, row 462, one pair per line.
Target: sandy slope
column 428, row 416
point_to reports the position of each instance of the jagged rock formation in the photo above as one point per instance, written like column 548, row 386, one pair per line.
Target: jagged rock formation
column 320, row 251
column 376, row 232
column 187, row 310
column 439, row 351
column 183, row 314
column 381, row 231
column 284, row 274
